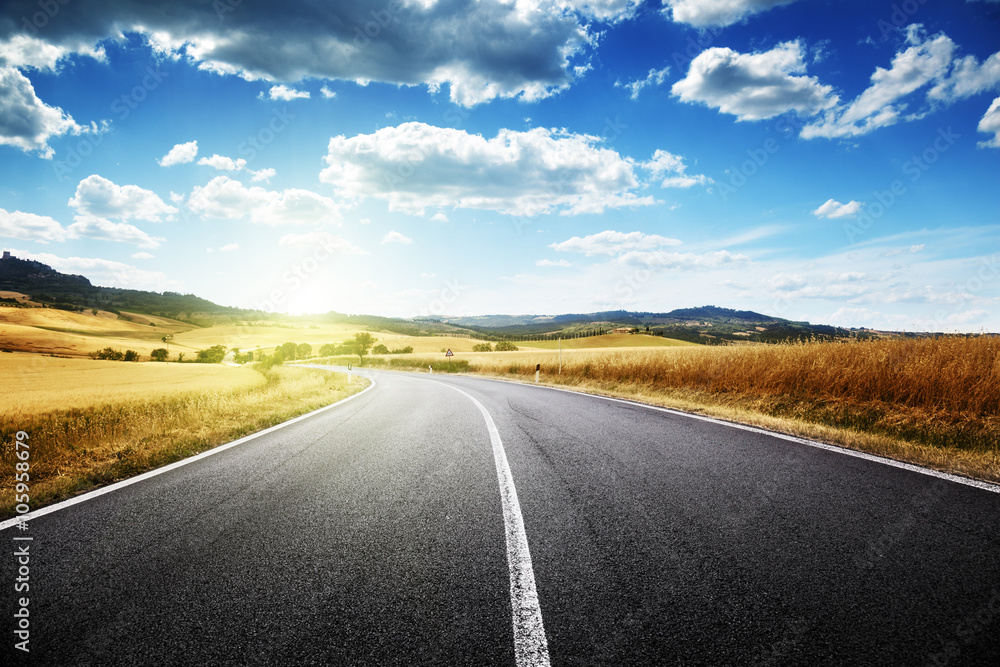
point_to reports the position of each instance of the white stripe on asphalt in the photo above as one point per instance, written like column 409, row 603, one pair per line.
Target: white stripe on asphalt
column 531, row 649
column 967, row 481
column 159, row 471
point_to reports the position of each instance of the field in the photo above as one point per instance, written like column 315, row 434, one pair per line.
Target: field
column 35, row 383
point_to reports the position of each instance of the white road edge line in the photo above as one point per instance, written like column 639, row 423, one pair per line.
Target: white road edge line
column 167, row 468
column 531, row 649
column 985, row 486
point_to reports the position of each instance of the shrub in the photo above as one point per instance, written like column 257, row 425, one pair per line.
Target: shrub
column 506, row 346
column 482, row 347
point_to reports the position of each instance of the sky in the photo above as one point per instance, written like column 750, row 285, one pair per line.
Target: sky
column 830, row 161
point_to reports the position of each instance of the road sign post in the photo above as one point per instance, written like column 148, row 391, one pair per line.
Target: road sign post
column 449, row 354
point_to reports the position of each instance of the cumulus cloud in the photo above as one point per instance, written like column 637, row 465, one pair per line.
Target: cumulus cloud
column 754, row 86
column 926, row 60
column 31, row 227
column 98, row 197
column 481, row 50
column 87, row 226
column 28, row 123
column 834, row 209
column 416, row 166
column 23, row 50
column 611, row 242
column 703, row 13
column 264, row 175
column 180, row 154
column 326, row 240
column 550, row 262
column 222, row 163
column 671, row 167
column 327, row 93
column 225, row 198
column 654, row 77
column 990, row 124
column 286, row 93
column 396, row 237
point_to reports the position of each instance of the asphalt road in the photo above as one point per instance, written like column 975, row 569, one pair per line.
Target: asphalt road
column 373, row 534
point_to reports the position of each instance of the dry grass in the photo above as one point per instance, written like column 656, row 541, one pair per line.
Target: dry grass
column 73, row 450
column 931, row 401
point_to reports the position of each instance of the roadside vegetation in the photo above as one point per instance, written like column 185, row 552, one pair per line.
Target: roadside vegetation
column 82, row 447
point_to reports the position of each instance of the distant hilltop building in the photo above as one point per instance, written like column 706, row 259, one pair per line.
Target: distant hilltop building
column 6, row 254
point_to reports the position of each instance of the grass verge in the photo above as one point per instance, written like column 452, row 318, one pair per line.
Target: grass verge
column 75, row 450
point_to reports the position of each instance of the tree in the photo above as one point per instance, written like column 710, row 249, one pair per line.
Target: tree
column 303, row 350
column 362, row 342
column 212, row 355
column 131, row 355
column 108, row 353
column 404, row 350
column 482, row 347
column 288, row 351
column 328, row 350
column 506, row 346
column 159, row 354
column 380, row 349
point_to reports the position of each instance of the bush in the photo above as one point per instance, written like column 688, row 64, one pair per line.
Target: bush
column 212, row 355
column 131, row 355
column 159, row 354
column 404, row 350
column 108, row 353
column 482, row 347
column 506, row 346
column 380, row 349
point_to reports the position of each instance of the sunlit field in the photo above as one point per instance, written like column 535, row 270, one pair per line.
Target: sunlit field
column 34, row 383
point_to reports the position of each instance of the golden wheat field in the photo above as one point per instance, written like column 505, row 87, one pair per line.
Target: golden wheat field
column 35, row 383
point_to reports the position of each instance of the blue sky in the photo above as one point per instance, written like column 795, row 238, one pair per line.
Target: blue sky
column 837, row 162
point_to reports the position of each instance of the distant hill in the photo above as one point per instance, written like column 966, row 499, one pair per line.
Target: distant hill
column 705, row 324
column 47, row 286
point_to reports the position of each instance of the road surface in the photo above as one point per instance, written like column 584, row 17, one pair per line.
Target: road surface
column 374, row 533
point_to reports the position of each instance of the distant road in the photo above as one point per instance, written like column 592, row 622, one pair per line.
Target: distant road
column 374, row 533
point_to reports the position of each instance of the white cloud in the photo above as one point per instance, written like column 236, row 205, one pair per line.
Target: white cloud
column 703, row 13
column 968, row 77
column 222, row 163
column 614, row 243
column 31, row 227
column 179, row 154
column 105, row 272
column 881, row 104
column 286, row 94
column 230, row 247
column 754, row 86
column 28, row 123
column 663, row 163
column 22, row 50
column 98, row 197
column 225, row 198
column 141, row 255
column 654, row 77
column 416, row 166
column 549, row 262
column 990, row 123
column 264, row 175
column 92, row 227
column 527, row 49
column 834, row 209
column 327, row 93
column 903, row 251
column 663, row 259
column 396, row 237
column 326, row 240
